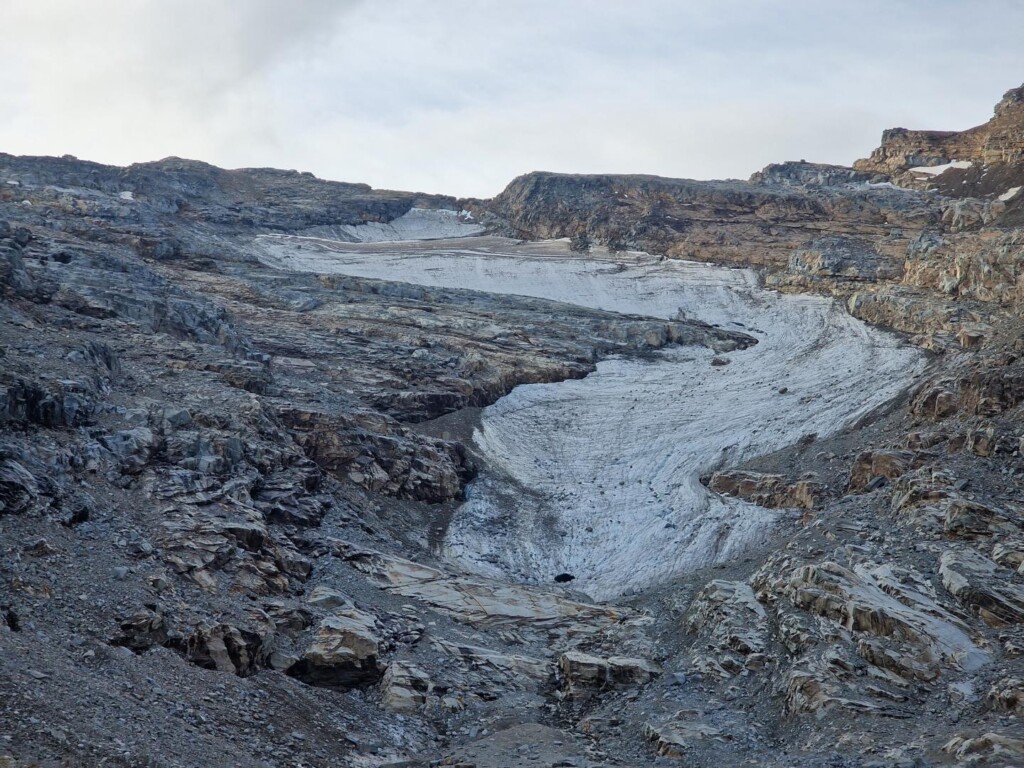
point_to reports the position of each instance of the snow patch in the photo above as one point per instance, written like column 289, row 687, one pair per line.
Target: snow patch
column 126, row 195
column 935, row 170
column 599, row 477
column 1009, row 194
column 416, row 224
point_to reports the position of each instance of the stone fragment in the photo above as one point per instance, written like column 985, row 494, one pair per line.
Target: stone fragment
column 766, row 490
column 682, row 734
column 404, row 687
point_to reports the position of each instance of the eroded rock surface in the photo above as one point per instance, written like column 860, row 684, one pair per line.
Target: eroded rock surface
column 228, row 472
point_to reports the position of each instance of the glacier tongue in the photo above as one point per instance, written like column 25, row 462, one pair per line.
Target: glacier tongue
column 599, row 477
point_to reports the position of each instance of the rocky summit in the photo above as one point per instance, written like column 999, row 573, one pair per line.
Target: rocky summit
column 604, row 471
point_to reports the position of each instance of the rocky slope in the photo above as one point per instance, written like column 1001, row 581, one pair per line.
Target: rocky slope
column 223, row 482
column 981, row 162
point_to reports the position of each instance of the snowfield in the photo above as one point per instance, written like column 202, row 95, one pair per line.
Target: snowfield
column 599, row 477
column 417, row 224
column 935, row 170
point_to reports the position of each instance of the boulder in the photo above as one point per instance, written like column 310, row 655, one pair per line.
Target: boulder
column 404, row 687
column 888, row 463
column 18, row 488
column 131, row 447
column 1009, row 553
column 728, row 615
column 682, row 734
column 343, row 652
column 766, row 490
column 988, row 746
column 583, row 675
column 479, row 601
column 327, row 599
column 1007, row 695
column 881, row 601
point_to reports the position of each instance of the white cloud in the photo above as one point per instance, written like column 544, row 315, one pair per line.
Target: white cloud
column 456, row 96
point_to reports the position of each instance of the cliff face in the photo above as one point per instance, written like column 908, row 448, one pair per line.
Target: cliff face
column 1000, row 140
column 724, row 221
column 990, row 155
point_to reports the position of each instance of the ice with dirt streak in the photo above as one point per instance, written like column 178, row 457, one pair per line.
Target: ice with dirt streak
column 415, row 224
column 599, row 477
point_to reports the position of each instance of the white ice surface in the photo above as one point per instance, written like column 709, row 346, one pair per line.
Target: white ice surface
column 598, row 477
column 935, row 170
column 416, row 224
column 1009, row 194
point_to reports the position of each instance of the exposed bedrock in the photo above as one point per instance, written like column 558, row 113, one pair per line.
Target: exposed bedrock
column 732, row 222
column 236, row 411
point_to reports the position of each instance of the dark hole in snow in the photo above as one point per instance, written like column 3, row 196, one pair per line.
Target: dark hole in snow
column 564, row 577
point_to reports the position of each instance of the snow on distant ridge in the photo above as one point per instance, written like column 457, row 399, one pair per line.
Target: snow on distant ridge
column 416, row 224
column 935, row 170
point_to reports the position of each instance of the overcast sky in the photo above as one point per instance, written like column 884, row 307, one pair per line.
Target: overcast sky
column 459, row 97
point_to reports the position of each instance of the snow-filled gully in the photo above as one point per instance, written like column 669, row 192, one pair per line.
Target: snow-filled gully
column 599, row 477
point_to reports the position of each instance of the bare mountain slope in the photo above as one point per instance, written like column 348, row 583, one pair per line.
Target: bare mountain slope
column 252, row 513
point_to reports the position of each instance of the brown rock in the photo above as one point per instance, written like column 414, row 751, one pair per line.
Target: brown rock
column 766, row 490
column 343, row 652
column 887, row 463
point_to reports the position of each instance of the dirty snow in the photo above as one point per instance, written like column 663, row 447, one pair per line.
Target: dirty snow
column 935, row 170
column 599, row 477
column 416, row 224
